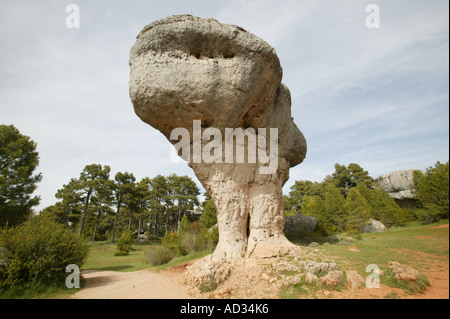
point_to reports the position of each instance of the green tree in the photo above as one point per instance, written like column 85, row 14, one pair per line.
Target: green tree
column 18, row 160
column 158, row 199
column 351, row 176
column 92, row 179
column 293, row 202
column 209, row 215
column 334, row 215
column 383, row 207
column 121, row 188
column 313, row 206
column 432, row 190
column 358, row 210
column 182, row 196
column 71, row 201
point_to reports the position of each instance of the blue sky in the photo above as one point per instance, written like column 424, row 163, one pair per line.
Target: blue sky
column 376, row 97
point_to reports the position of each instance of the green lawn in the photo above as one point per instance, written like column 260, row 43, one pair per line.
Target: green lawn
column 401, row 244
column 101, row 257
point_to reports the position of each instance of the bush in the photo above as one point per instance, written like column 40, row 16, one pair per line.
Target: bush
column 124, row 244
column 159, row 255
column 191, row 238
column 37, row 252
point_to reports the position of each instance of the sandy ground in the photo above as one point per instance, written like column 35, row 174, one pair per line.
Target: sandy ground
column 143, row 284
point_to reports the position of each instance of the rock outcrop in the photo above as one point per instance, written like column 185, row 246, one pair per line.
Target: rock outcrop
column 298, row 224
column 403, row 272
column 399, row 186
column 372, row 226
column 187, row 71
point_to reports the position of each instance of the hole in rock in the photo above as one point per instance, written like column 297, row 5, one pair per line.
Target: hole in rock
column 228, row 55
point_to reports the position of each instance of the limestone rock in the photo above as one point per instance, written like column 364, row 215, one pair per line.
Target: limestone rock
column 310, row 278
column 399, row 186
column 185, row 69
column 403, row 272
column 354, row 279
column 373, row 226
column 332, row 279
column 319, row 267
column 297, row 224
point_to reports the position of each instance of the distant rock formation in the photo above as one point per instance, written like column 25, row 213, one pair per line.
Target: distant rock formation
column 399, row 186
column 372, row 226
column 297, row 224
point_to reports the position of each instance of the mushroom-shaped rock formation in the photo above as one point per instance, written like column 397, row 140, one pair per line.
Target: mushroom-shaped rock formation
column 186, row 72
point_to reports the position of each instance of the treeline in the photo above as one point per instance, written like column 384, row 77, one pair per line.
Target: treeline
column 349, row 197
column 100, row 207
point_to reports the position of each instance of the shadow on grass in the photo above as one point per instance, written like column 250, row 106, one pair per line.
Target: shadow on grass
column 112, row 268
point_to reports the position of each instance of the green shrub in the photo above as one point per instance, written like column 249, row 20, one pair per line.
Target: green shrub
column 124, row 244
column 208, row 285
column 38, row 251
column 171, row 240
column 159, row 255
column 191, row 238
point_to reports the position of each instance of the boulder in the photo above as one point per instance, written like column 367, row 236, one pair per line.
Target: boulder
column 398, row 184
column 354, row 279
column 332, row 279
column 319, row 267
column 372, row 226
column 403, row 272
column 190, row 77
column 310, row 278
column 297, row 224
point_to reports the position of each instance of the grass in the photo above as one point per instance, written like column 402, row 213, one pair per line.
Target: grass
column 415, row 245
column 101, row 257
column 402, row 244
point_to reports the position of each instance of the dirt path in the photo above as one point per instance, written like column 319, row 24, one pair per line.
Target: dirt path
column 143, row 284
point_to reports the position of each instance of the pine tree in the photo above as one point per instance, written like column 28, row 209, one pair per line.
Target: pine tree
column 18, row 160
column 432, row 190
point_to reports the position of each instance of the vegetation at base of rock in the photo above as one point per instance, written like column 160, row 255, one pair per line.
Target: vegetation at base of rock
column 159, row 255
column 208, row 285
column 191, row 237
column 412, row 287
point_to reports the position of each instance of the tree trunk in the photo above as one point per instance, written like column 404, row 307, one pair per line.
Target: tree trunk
column 95, row 227
column 156, row 229
column 83, row 217
column 115, row 223
column 139, row 224
column 129, row 221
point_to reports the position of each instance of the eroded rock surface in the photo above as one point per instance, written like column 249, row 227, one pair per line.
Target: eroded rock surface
column 399, row 185
column 185, row 69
